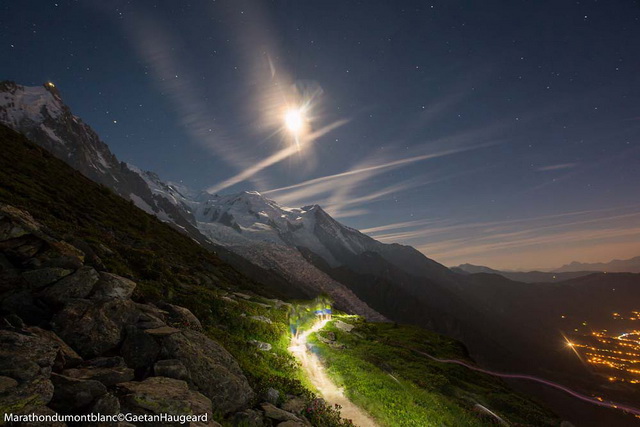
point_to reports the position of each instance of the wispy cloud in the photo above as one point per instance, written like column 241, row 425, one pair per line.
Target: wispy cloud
column 273, row 159
column 468, row 241
column 557, row 167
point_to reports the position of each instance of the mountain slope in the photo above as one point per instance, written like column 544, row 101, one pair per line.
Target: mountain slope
column 631, row 265
column 40, row 114
column 522, row 276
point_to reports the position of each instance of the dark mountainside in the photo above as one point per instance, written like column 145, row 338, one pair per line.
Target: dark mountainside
column 631, row 265
column 526, row 276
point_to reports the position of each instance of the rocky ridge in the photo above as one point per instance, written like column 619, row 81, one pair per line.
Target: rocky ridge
column 72, row 341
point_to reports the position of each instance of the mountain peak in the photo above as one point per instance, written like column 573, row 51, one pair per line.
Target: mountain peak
column 29, row 104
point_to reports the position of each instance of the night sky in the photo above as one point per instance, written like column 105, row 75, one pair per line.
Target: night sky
column 503, row 133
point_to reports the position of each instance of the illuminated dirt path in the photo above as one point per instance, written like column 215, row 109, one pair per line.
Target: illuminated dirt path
column 319, row 378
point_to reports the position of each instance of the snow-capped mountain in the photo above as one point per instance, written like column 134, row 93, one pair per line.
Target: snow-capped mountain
column 40, row 114
column 246, row 224
column 304, row 247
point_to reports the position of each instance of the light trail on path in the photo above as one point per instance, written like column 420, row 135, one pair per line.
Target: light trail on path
column 316, row 373
column 585, row 398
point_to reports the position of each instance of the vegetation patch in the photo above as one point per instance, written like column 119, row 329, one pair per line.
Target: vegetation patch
column 380, row 372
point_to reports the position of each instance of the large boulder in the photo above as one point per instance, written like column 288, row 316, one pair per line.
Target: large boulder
column 248, row 418
column 159, row 395
column 181, row 317
column 10, row 277
column 16, row 223
column 42, row 277
column 77, row 285
column 94, row 327
column 275, row 413
column 111, row 286
column 106, row 405
column 139, row 349
column 172, row 368
column 25, row 365
column 22, row 303
column 72, row 394
column 58, row 254
column 66, row 357
column 151, row 317
column 106, row 375
column 214, row 372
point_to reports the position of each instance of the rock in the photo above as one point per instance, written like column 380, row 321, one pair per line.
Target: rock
column 71, row 394
column 10, row 277
column 291, row 423
column 107, row 376
column 14, row 321
column 227, row 299
column 248, row 418
column 243, row 296
column 147, row 321
column 21, row 369
column 16, row 223
column 295, row 405
column 279, row 303
column 7, row 383
column 23, row 305
column 214, row 372
column 262, row 319
column 262, row 346
column 62, row 255
column 151, row 317
column 272, row 395
column 28, row 396
column 42, row 277
column 20, row 250
column 182, row 317
column 139, row 349
column 66, row 357
column 94, row 327
column 90, row 256
column 107, row 405
column 40, row 410
column 262, row 305
column 77, row 285
column 331, row 336
column 346, row 327
column 105, row 362
column 172, row 368
column 162, row 331
column 271, row 411
column 159, row 395
column 16, row 348
column 111, row 286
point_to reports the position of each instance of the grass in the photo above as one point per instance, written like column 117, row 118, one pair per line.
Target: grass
column 402, row 388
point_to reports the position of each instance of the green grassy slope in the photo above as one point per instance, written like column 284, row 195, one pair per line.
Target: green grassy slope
column 380, row 372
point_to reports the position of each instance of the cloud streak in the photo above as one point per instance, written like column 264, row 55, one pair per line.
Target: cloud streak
column 494, row 240
column 557, row 167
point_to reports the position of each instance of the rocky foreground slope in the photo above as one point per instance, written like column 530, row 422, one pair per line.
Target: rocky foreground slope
column 103, row 308
column 73, row 341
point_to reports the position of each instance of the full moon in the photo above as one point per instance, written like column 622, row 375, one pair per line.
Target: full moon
column 294, row 120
